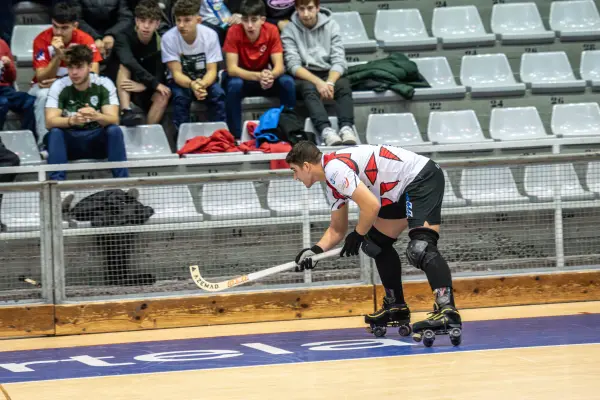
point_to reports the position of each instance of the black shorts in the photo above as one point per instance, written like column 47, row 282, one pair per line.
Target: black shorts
column 422, row 200
column 143, row 99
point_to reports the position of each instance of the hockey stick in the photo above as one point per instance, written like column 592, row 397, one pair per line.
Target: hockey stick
column 219, row 286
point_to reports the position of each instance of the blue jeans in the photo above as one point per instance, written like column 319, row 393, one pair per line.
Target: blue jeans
column 236, row 88
column 20, row 103
column 70, row 144
column 182, row 100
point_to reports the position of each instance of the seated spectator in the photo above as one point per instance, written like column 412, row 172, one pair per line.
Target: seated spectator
column 219, row 15
column 314, row 55
column 48, row 57
column 7, row 159
column 103, row 20
column 279, row 12
column 10, row 99
column 142, row 73
column 166, row 15
column 191, row 52
column 249, row 49
column 82, row 113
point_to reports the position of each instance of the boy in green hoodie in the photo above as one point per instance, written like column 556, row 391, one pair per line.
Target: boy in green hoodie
column 315, row 56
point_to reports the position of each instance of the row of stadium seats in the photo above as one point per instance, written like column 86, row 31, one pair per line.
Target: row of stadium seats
column 444, row 127
column 451, row 27
column 240, row 200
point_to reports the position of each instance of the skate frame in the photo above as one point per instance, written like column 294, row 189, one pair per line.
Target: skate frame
column 219, row 286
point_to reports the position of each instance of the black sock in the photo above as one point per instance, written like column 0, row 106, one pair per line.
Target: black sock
column 390, row 271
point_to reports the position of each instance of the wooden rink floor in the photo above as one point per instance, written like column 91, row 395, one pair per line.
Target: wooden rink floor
column 525, row 352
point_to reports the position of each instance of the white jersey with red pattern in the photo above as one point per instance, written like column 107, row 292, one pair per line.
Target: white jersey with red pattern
column 385, row 170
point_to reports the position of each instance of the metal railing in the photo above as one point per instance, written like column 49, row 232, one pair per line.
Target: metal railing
column 500, row 215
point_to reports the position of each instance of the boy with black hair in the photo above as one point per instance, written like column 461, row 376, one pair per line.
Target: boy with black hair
column 191, row 52
column 251, row 48
column 82, row 113
column 141, row 72
column 49, row 49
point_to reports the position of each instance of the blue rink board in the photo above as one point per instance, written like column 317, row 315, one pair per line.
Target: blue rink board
column 290, row 347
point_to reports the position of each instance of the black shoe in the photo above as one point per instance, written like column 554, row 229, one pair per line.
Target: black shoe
column 129, row 118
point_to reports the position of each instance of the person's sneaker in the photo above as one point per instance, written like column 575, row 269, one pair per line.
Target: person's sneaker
column 129, row 118
column 331, row 137
column 133, row 193
column 66, row 205
column 348, row 135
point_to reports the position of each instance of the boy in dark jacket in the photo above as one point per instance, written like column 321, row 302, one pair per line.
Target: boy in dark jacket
column 141, row 73
column 10, row 99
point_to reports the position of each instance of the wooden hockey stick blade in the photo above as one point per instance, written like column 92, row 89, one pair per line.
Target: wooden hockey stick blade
column 219, row 286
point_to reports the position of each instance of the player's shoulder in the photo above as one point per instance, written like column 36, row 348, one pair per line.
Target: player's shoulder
column 271, row 29
column 44, row 37
column 169, row 36
column 81, row 37
column 101, row 81
column 207, row 33
column 61, row 84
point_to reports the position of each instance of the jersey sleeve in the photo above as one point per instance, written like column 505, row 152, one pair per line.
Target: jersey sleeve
column 213, row 48
column 53, row 100
column 276, row 46
column 111, row 98
column 89, row 41
column 41, row 56
column 341, row 183
column 232, row 42
column 169, row 48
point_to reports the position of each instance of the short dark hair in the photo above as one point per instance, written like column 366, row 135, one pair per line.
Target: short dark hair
column 304, row 151
column 253, row 8
column 183, row 8
column 299, row 3
column 65, row 13
column 78, row 55
column 148, row 9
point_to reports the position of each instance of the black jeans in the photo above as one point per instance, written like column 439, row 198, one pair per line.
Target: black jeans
column 342, row 95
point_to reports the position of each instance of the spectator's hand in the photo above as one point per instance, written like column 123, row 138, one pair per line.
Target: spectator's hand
column 164, row 90
column 325, row 90
column 132, row 86
column 266, row 79
column 5, row 60
column 200, row 94
column 89, row 113
column 235, row 19
column 77, row 120
column 282, row 24
column 59, row 46
column 100, row 46
column 109, row 43
column 46, row 83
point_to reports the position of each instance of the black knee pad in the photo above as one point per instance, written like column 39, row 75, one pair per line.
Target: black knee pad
column 375, row 242
column 422, row 248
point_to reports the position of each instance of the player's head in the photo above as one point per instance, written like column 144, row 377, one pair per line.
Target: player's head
column 147, row 18
column 186, row 16
column 305, row 160
column 254, row 14
column 64, row 19
column 79, row 63
column 308, row 11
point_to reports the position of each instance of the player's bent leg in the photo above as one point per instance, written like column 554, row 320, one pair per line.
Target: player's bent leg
column 160, row 103
column 422, row 252
column 394, row 311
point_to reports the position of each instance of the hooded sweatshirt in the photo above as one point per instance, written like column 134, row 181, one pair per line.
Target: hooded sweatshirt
column 316, row 49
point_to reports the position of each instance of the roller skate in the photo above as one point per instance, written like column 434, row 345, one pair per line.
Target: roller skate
column 444, row 320
column 391, row 314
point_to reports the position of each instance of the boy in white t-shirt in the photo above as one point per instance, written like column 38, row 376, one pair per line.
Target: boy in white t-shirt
column 191, row 52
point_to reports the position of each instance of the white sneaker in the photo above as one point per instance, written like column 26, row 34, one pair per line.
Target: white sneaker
column 331, row 137
column 348, row 135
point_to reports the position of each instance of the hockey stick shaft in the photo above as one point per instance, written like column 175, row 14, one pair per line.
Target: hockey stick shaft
column 219, row 286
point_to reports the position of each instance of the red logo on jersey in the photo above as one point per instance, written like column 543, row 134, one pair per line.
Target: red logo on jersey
column 385, row 153
column 343, row 157
column 385, row 187
column 371, row 169
column 385, row 202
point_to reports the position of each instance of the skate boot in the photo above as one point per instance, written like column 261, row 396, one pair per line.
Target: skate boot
column 444, row 320
column 391, row 314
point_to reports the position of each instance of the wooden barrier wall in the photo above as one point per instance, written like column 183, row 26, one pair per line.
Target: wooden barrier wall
column 133, row 315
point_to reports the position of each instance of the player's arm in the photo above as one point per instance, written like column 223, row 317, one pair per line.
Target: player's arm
column 108, row 116
column 210, row 76
column 369, row 208
column 49, row 71
column 337, row 229
column 95, row 67
column 54, row 119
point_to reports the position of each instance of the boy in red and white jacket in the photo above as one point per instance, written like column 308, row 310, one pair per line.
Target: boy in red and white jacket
column 10, row 99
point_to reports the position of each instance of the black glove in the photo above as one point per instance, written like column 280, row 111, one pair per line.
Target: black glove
column 304, row 258
column 352, row 244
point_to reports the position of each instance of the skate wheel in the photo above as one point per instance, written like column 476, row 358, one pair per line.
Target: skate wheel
column 379, row 331
column 428, row 338
column 455, row 336
column 405, row 330
column 417, row 337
